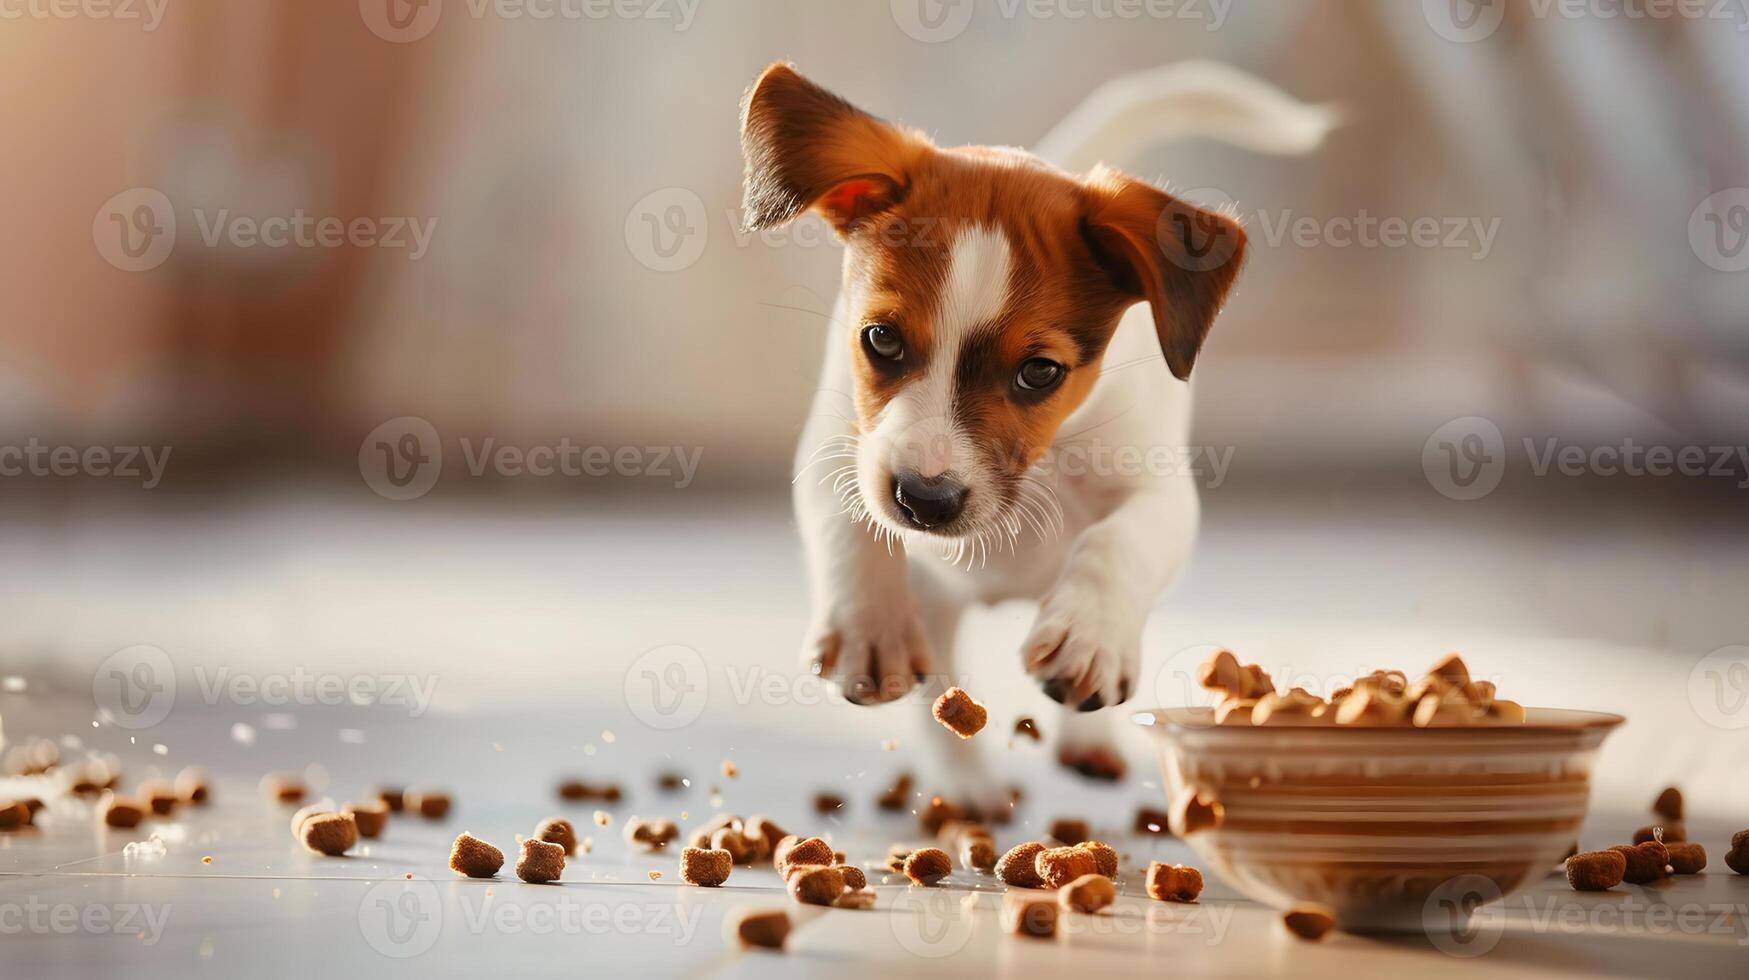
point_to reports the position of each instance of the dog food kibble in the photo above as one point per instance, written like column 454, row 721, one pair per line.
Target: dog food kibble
column 283, row 787
column 474, row 857
column 1025, row 727
column 1296, row 707
column 828, row 803
column 978, row 853
column 731, row 839
column 1019, row 867
column 540, row 862
column 763, row 833
column 430, row 804
column 896, row 856
column 650, row 835
column 959, row 714
column 191, row 786
column 1737, row 858
column 370, row 818
column 1027, row 915
column 1193, row 812
column 854, row 879
column 558, row 830
column 1057, row 866
column 1309, row 921
column 1173, row 882
column 332, row 834
column 854, row 898
column 894, row 796
column 761, row 928
column 393, row 797
column 808, row 850
column 1645, row 862
column 816, row 885
column 14, row 815
column 705, row 867
column 1070, row 831
column 1088, row 893
column 123, row 814
column 159, row 796
column 928, row 865
column 1151, row 821
column 1104, row 856
column 937, row 814
column 1668, row 833
column 1596, row 871
column 1686, row 858
column 1669, row 804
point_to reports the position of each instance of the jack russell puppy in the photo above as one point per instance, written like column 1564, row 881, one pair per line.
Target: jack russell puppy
column 996, row 315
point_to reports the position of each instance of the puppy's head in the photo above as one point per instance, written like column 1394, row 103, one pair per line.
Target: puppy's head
column 981, row 287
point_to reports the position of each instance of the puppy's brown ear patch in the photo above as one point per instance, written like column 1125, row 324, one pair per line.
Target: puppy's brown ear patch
column 807, row 148
column 1178, row 257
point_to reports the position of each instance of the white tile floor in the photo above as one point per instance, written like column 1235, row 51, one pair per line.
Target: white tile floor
column 528, row 629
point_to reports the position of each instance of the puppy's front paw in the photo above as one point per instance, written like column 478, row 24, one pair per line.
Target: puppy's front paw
column 1084, row 648
column 872, row 652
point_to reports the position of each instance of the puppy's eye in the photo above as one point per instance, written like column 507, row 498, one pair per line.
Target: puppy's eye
column 1039, row 374
column 883, row 341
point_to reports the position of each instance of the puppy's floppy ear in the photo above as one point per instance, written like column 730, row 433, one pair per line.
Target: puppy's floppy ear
column 1178, row 257
column 807, row 148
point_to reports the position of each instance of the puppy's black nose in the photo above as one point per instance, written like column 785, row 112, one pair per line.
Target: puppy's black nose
column 928, row 501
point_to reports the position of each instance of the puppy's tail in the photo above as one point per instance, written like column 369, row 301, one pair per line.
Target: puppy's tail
column 1185, row 100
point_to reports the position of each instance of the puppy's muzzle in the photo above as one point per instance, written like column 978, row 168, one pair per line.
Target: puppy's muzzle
column 928, row 502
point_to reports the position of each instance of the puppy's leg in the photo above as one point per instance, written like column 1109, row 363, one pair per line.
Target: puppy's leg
column 865, row 634
column 1085, row 645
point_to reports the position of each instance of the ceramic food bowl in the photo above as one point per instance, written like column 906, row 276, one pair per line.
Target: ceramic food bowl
column 1377, row 822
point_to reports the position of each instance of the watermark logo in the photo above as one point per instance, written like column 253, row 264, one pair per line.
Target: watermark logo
column 932, row 21
column 401, row 919
column 667, row 229
column 1450, row 920
column 1718, row 230
column 135, row 230
column 1177, row 682
column 1465, row 458
column 402, row 458
column 1464, row 21
column 1191, row 236
column 134, row 687
column 933, row 923
column 667, row 688
column 401, row 21
column 1718, row 688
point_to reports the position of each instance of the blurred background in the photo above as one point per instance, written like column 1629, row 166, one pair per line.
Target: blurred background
column 265, row 244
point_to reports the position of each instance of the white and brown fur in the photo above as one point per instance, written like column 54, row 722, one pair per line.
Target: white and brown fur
column 981, row 258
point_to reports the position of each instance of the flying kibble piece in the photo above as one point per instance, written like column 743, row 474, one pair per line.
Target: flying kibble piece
column 959, row 714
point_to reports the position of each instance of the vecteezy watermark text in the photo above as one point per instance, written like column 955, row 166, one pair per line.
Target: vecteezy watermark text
column 38, row 459
column 402, row 458
column 33, row 916
column 149, row 13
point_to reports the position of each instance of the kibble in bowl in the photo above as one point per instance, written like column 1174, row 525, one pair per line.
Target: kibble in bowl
column 1370, row 819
